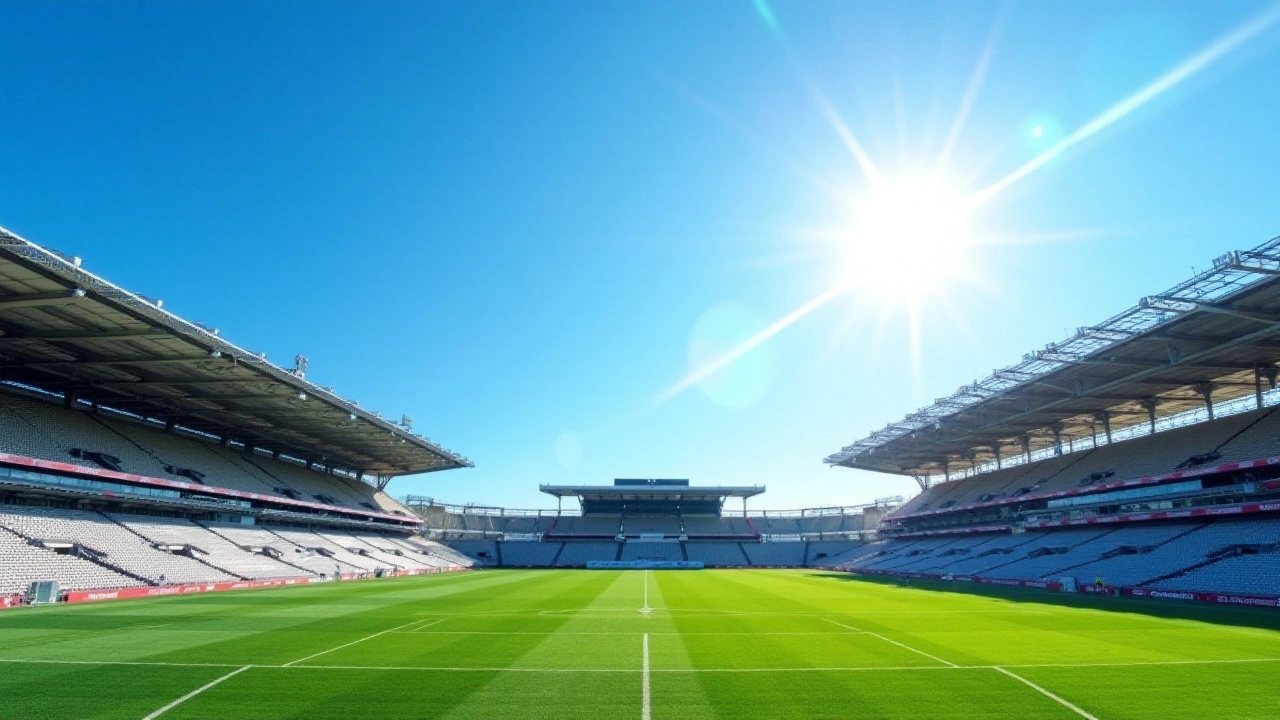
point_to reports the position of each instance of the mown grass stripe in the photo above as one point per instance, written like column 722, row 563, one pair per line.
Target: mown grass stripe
column 895, row 642
column 194, row 693
column 356, row 642
column 1067, row 704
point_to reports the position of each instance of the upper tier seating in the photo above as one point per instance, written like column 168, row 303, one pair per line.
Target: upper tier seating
column 1244, row 436
column 605, row 526
column 43, row 430
column 642, row 524
column 716, row 526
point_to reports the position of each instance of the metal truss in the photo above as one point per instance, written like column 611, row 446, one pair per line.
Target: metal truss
column 1208, row 291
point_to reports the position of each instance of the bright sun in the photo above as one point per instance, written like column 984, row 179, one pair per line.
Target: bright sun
column 908, row 240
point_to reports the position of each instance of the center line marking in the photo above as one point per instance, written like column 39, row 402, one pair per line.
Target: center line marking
column 1047, row 694
column 194, row 693
column 644, row 683
column 356, row 642
column 895, row 642
column 646, row 609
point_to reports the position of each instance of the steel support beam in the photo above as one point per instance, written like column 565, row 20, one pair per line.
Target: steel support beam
column 46, row 299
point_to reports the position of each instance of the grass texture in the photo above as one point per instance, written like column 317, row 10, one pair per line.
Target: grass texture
column 641, row 645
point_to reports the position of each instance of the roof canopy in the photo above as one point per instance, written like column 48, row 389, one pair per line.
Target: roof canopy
column 71, row 333
column 1215, row 336
column 668, row 493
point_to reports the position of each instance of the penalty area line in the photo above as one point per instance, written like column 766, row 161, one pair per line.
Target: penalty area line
column 194, row 693
column 645, row 712
column 935, row 658
column 1068, row 705
column 357, row 642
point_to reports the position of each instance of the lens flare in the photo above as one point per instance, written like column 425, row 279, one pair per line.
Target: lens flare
column 909, row 239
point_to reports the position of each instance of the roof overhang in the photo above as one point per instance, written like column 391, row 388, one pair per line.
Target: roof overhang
column 1216, row 335
column 651, row 492
column 68, row 332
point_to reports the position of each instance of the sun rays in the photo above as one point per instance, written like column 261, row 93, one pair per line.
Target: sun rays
column 909, row 238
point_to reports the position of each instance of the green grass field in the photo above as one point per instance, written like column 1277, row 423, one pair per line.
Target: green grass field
column 598, row 645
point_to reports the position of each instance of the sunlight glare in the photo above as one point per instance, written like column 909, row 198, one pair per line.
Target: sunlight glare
column 908, row 240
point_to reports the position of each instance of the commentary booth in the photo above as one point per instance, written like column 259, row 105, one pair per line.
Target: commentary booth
column 651, row 510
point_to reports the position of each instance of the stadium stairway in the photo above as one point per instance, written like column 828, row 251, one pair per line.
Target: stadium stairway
column 1127, row 541
column 280, row 557
column 194, row 555
column 25, row 562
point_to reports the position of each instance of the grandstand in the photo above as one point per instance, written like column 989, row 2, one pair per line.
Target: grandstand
column 650, row 520
column 1140, row 456
column 139, row 450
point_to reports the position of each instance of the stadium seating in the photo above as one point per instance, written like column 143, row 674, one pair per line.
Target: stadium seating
column 1188, row 550
column 337, row 554
column 22, row 563
column 577, row 554
column 596, row 526
column 42, row 430
column 1244, row 436
column 117, row 546
column 1235, row 555
column 641, row 524
column 717, row 554
column 651, row 551
column 790, row 554
column 531, row 554
column 209, row 547
column 1244, row 574
column 248, row 536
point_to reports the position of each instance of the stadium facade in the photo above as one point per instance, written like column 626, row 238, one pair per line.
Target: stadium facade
column 1140, row 456
column 142, row 454
column 649, row 523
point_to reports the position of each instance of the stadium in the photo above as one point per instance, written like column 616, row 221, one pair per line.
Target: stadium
column 1121, row 486
column 681, row 291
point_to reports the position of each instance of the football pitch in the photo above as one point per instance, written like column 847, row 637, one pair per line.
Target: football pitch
column 662, row 645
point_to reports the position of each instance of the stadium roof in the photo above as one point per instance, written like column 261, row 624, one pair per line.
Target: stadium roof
column 672, row 493
column 1214, row 336
column 66, row 331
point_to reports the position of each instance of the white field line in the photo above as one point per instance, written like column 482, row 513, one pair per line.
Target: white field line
column 895, row 642
column 645, row 713
column 356, row 642
column 871, row 668
column 115, row 662
column 194, row 693
column 610, row 634
column 621, row 611
column 1073, row 708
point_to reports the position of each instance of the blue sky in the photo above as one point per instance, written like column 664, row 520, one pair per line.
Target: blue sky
column 523, row 224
